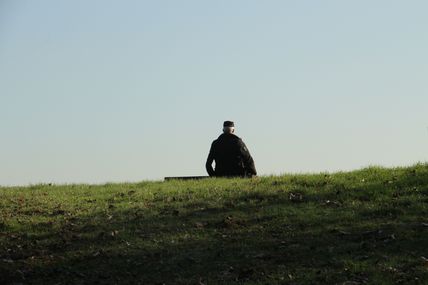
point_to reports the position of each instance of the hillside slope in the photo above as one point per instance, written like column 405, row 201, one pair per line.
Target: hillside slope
column 363, row 227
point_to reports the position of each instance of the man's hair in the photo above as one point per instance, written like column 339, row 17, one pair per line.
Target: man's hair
column 228, row 130
column 228, row 124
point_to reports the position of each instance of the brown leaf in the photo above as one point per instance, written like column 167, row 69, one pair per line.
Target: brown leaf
column 295, row 197
column 351, row 283
column 261, row 256
column 332, row 203
column 200, row 225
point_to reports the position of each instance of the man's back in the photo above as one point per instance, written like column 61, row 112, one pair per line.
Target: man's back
column 231, row 156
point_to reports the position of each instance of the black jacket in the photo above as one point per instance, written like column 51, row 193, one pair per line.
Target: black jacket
column 231, row 157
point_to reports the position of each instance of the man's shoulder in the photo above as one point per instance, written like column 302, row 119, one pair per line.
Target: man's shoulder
column 238, row 139
column 214, row 142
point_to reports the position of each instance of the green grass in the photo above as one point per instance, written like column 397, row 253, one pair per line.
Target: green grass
column 363, row 227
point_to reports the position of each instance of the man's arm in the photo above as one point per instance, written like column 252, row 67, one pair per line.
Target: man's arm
column 250, row 168
column 210, row 159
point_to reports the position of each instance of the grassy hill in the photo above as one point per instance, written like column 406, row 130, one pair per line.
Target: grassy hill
column 363, row 227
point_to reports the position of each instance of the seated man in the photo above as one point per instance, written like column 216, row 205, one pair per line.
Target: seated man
column 230, row 154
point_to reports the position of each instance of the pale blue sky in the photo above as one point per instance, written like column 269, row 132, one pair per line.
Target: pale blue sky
column 98, row 91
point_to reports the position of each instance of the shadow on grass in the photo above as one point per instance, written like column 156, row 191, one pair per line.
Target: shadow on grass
column 269, row 238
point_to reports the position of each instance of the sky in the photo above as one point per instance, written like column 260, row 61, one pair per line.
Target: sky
column 124, row 91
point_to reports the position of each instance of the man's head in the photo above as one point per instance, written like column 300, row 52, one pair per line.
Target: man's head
column 228, row 127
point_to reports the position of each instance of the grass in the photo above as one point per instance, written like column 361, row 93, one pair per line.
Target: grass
column 363, row 227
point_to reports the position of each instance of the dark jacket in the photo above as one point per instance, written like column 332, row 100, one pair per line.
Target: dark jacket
column 231, row 157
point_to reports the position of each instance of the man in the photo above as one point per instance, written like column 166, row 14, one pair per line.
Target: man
column 230, row 154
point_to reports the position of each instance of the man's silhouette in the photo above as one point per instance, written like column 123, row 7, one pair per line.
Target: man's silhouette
column 230, row 154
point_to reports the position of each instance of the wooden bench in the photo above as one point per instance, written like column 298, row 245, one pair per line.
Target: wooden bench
column 186, row 178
